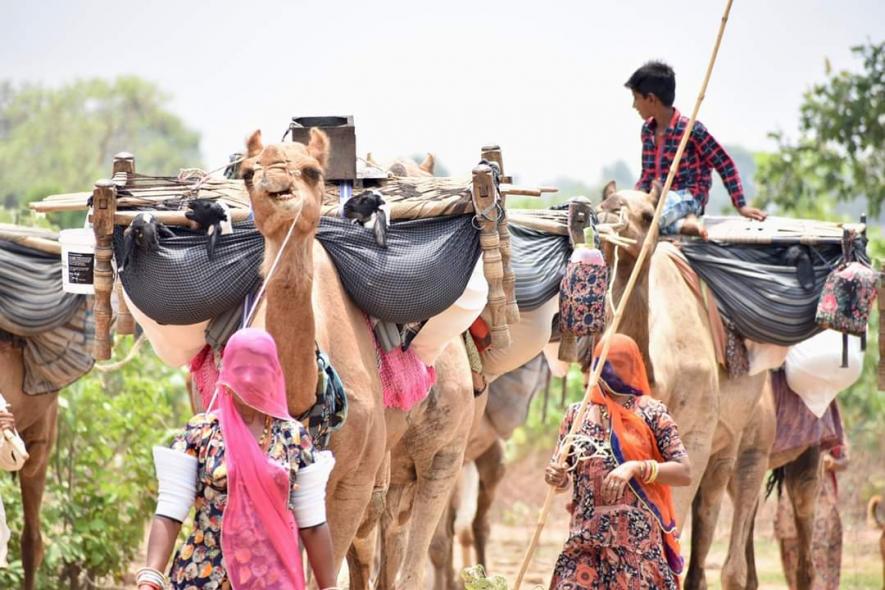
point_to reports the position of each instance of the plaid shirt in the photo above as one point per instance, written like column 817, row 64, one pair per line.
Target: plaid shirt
column 702, row 154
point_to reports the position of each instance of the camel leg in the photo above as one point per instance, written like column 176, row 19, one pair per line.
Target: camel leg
column 399, row 506
column 704, row 514
column 435, row 482
column 441, row 547
column 491, row 471
column 362, row 553
column 752, row 575
column 38, row 439
column 802, row 478
column 744, row 490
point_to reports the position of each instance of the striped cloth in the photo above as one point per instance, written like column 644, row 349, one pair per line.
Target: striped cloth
column 759, row 292
column 539, row 260
column 56, row 328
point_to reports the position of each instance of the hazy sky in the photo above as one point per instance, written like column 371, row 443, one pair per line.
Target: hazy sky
column 542, row 79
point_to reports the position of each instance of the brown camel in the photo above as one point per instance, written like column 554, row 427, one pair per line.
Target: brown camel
column 875, row 516
column 285, row 186
column 406, row 167
column 711, row 409
column 306, row 306
column 800, row 471
column 35, row 420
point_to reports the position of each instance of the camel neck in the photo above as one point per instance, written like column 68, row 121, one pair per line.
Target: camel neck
column 290, row 318
column 634, row 321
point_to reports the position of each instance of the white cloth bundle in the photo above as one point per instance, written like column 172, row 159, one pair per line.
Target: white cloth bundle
column 814, row 369
column 13, row 453
column 177, row 476
column 309, row 500
column 528, row 337
column 441, row 329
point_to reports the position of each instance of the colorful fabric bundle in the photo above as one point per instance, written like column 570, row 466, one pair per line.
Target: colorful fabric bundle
column 582, row 293
column 847, row 298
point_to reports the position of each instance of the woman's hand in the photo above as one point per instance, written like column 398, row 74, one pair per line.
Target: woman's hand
column 7, row 420
column 615, row 482
column 557, row 476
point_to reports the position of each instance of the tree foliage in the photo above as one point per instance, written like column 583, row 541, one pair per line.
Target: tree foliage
column 839, row 153
column 63, row 139
column 100, row 487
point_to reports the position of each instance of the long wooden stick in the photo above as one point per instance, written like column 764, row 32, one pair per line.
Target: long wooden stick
column 650, row 238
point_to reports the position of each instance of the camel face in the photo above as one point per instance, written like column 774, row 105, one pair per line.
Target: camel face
column 631, row 211
column 285, row 182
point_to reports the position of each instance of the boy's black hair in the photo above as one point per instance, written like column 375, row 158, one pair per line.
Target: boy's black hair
column 655, row 77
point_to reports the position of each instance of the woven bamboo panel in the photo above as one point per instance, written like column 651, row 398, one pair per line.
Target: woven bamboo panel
column 774, row 230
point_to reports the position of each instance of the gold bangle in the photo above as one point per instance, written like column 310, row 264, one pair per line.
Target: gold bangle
column 654, row 472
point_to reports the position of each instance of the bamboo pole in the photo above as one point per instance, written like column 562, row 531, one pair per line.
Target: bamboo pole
column 650, row 238
column 34, row 242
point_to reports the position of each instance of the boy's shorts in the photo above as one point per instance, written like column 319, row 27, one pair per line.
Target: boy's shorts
column 678, row 206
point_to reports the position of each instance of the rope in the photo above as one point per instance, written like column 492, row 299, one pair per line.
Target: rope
column 111, row 367
column 650, row 238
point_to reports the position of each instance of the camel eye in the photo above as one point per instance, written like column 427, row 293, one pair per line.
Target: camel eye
column 647, row 215
column 311, row 174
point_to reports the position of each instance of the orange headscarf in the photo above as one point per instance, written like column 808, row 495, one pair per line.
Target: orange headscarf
column 632, row 439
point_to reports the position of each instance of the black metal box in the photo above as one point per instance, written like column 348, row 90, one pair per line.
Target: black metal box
column 342, row 143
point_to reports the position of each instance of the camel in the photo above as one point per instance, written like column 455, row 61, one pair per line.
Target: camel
column 35, row 420
column 405, row 167
column 285, row 187
column 874, row 514
column 711, row 409
column 799, row 469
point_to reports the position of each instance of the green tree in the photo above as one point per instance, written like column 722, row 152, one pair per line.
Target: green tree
column 100, row 488
column 63, row 139
column 839, row 153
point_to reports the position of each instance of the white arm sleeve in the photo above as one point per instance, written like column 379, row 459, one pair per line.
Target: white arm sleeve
column 177, row 476
column 309, row 500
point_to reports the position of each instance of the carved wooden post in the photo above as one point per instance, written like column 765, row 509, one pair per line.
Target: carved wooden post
column 579, row 217
column 484, row 195
column 104, row 206
column 124, row 163
column 492, row 153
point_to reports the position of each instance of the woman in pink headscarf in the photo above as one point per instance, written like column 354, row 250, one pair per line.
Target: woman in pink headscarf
column 251, row 471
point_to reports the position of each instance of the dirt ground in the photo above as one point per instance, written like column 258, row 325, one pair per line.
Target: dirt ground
column 522, row 493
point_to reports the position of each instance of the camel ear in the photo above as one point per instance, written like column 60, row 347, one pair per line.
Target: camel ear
column 370, row 159
column 428, row 164
column 609, row 189
column 253, row 144
column 318, row 147
column 655, row 194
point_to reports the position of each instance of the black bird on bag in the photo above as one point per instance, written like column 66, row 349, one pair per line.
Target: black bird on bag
column 207, row 215
column 799, row 257
column 366, row 208
column 143, row 235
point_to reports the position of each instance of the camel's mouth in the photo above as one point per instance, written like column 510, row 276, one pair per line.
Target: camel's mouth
column 282, row 196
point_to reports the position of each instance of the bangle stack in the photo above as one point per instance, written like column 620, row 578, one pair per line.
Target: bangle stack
column 649, row 471
column 151, row 577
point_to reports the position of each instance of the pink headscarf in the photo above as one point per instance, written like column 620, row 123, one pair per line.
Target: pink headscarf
column 259, row 536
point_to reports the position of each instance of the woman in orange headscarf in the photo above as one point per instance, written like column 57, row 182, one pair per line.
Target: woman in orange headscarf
column 626, row 455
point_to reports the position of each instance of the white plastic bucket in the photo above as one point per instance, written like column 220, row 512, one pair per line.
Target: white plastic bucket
column 77, row 260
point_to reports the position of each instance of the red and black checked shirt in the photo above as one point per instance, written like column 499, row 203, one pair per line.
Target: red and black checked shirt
column 702, row 154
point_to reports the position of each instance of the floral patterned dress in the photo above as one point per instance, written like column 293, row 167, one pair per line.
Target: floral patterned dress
column 199, row 564
column 620, row 545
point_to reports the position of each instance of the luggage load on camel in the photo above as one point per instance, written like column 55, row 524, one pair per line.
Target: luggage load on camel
column 425, row 285
column 53, row 327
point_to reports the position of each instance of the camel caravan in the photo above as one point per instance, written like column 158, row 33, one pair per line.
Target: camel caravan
column 414, row 316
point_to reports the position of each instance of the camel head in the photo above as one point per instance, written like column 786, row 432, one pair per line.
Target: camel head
column 628, row 213
column 285, row 183
column 407, row 167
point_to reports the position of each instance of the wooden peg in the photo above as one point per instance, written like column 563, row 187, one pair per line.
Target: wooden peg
column 104, row 205
column 125, row 321
column 124, row 163
column 485, row 202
